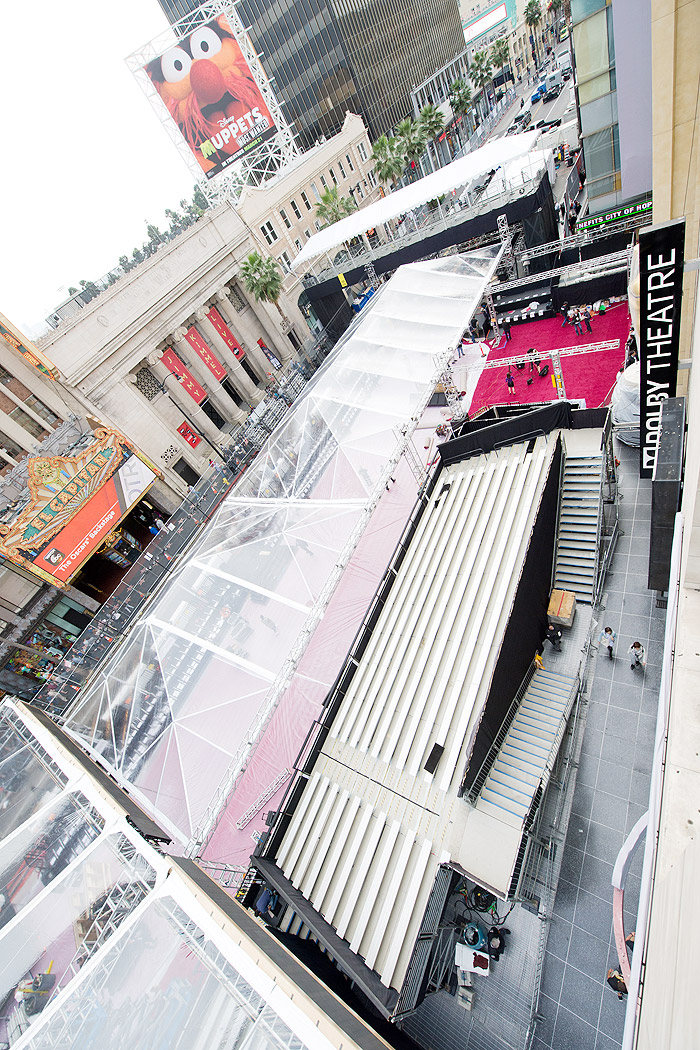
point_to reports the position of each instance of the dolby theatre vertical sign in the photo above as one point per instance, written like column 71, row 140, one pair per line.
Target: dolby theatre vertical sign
column 660, row 288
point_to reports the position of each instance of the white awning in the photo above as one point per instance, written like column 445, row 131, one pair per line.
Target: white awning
column 460, row 172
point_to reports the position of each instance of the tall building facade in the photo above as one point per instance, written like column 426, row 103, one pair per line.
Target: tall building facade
column 328, row 57
column 612, row 48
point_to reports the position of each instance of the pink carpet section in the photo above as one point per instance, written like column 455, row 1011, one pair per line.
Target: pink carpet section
column 587, row 375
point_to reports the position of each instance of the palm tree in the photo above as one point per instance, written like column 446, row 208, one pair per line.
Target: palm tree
column 389, row 159
column 332, row 207
column 500, row 53
column 432, row 122
column 413, row 140
column 533, row 17
column 460, row 98
column 480, row 72
column 262, row 278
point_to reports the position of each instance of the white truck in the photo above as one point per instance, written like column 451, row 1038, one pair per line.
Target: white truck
column 564, row 63
column 553, row 84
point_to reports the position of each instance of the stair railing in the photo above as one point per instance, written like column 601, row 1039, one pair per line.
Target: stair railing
column 485, row 768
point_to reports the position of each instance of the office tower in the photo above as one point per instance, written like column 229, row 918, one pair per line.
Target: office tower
column 326, row 57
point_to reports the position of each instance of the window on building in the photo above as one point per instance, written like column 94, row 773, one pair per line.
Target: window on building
column 10, row 446
column 268, row 232
column 239, row 302
column 212, row 413
column 306, row 201
column 41, row 409
column 307, row 234
column 314, row 190
column 360, row 192
column 147, row 384
column 362, row 150
column 342, row 169
column 332, row 175
column 27, row 423
column 285, row 218
column 186, row 472
column 295, row 209
column 372, row 178
column 5, row 376
column 297, row 245
column 351, row 166
column 285, row 262
column 317, row 225
column 323, row 182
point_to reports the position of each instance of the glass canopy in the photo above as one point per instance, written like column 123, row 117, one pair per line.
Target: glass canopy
column 179, row 711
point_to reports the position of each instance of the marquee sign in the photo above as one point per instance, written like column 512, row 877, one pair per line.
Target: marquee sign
column 23, row 346
column 76, row 501
column 660, row 292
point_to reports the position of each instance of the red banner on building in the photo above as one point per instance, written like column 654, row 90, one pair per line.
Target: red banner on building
column 204, row 353
column 189, row 435
column 173, row 363
column 226, row 333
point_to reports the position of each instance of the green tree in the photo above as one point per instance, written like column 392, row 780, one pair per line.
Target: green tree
column 460, row 98
column 432, row 122
column 262, row 277
column 90, row 289
column 137, row 255
column 332, row 207
column 500, row 53
column 480, row 72
column 533, row 17
column 72, row 290
column 412, row 139
column 389, row 159
column 125, row 264
column 199, row 200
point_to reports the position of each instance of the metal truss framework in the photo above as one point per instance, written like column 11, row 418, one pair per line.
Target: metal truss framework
column 269, row 158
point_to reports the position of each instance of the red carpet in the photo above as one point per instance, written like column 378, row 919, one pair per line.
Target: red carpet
column 587, row 375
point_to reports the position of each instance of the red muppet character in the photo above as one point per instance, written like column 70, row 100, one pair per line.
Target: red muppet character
column 210, row 92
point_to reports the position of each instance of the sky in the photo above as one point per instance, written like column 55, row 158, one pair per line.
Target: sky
column 86, row 160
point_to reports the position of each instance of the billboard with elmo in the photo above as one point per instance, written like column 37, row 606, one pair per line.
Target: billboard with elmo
column 208, row 89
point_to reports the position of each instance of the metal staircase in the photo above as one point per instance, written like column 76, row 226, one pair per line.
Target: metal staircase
column 579, row 527
column 529, row 749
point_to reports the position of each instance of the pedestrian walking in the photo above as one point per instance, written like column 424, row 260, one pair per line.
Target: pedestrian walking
column 564, row 311
column 637, row 655
column 475, row 330
column 506, row 329
column 577, row 323
column 607, row 640
column 554, row 636
column 534, row 359
column 510, row 382
column 587, row 318
column 617, row 983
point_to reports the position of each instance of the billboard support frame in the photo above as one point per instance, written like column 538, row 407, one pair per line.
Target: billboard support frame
column 268, row 158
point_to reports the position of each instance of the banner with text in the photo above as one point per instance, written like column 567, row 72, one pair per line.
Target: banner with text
column 269, row 354
column 75, row 502
column 173, row 363
column 226, row 333
column 660, row 291
column 204, row 353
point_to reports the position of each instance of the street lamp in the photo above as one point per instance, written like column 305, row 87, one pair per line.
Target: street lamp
column 195, row 428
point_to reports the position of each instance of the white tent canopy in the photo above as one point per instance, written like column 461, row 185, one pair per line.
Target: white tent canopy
column 460, row 172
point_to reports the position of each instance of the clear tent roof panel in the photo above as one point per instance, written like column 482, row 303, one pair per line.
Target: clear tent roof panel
column 26, row 784
column 47, row 936
column 42, row 847
column 162, row 983
column 176, row 710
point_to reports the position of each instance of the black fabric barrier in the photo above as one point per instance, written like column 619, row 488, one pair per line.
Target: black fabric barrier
column 590, row 291
column 527, row 624
column 615, row 243
column 507, row 432
column 516, row 211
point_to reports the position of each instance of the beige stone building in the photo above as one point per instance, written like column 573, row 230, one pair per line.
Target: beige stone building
column 186, row 311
